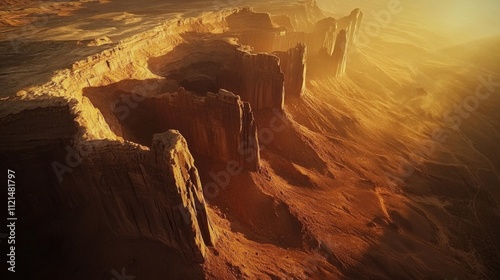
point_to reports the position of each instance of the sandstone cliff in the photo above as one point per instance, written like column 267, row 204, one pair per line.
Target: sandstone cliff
column 257, row 78
column 324, row 36
column 351, row 23
column 219, row 126
column 153, row 193
column 138, row 192
column 254, row 29
column 356, row 16
column 293, row 65
column 339, row 56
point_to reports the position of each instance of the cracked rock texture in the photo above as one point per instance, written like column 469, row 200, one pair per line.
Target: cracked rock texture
column 219, row 125
column 257, row 78
column 153, row 193
column 293, row 65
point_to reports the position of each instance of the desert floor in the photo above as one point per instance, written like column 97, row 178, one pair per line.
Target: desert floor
column 392, row 172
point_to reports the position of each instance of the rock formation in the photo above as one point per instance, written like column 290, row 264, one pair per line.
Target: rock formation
column 307, row 26
column 257, row 78
column 301, row 16
column 137, row 191
column 339, row 56
column 42, row 122
column 323, row 36
column 293, row 65
column 356, row 16
column 219, row 126
column 352, row 23
column 254, row 29
column 129, row 173
column 153, row 193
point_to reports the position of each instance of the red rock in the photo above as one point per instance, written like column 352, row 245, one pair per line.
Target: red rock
column 219, row 126
column 339, row 56
column 293, row 65
column 257, row 78
column 153, row 193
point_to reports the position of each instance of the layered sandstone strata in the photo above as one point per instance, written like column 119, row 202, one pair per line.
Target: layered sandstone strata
column 137, row 191
column 254, row 29
column 324, row 35
column 352, row 24
column 257, row 78
column 339, row 56
column 154, row 193
column 140, row 191
column 293, row 65
column 219, row 126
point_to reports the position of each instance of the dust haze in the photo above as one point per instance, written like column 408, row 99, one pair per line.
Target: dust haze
column 252, row 139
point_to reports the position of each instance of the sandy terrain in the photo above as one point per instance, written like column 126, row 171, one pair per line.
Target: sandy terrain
column 391, row 172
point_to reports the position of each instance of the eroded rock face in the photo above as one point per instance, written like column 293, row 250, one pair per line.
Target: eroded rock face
column 293, row 65
column 156, row 192
column 39, row 123
column 352, row 24
column 324, row 35
column 300, row 16
column 339, row 56
column 138, row 192
column 219, row 126
column 254, row 29
column 152, row 193
column 257, row 78
column 308, row 26
column 356, row 16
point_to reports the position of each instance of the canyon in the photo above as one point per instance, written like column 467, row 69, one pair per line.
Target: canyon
column 235, row 144
column 129, row 118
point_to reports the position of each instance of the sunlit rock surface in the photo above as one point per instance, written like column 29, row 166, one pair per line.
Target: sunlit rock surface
column 257, row 78
column 294, row 66
column 374, row 162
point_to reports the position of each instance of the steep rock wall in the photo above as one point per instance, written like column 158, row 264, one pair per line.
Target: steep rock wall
column 356, row 16
column 219, row 126
column 257, row 78
column 38, row 124
column 139, row 192
column 293, row 65
column 339, row 56
column 351, row 23
column 152, row 193
column 301, row 15
column 324, row 35
column 254, row 29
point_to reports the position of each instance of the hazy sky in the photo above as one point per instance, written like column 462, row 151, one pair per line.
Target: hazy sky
column 481, row 16
column 472, row 19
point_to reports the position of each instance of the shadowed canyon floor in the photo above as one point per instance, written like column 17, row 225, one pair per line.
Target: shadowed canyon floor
column 169, row 141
